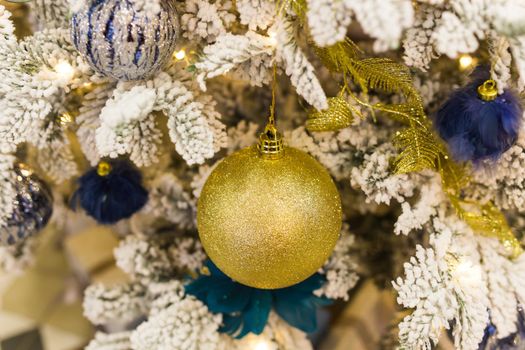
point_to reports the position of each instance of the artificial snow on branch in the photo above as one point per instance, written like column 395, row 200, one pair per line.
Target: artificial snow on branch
column 169, row 200
column 328, row 21
column 297, row 66
column 88, row 121
column 50, row 13
column 121, row 302
column 256, row 14
column 206, row 20
column 230, row 51
column 112, row 341
column 383, row 20
column 127, row 126
column 184, row 325
column 340, row 269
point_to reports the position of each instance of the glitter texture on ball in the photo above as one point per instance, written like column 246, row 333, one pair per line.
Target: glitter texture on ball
column 121, row 42
column 33, row 206
column 269, row 223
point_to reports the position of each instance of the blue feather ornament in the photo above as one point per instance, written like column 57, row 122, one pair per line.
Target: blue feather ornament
column 477, row 123
column 110, row 192
column 246, row 309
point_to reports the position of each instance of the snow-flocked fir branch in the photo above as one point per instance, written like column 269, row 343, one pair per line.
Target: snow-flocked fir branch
column 460, row 279
column 121, row 302
column 112, row 341
column 159, row 258
column 50, row 13
column 206, row 20
column 340, row 269
column 169, row 200
column 230, row 50
column 186, row 324
column 256, row 14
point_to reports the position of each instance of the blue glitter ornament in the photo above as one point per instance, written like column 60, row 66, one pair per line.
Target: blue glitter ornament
column 110, row 192
column 246, row 309
column 119, row 41
column 33, row 206
column 477, row 123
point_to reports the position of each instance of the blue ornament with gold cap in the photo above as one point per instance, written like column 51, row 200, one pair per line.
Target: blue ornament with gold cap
column 477, row 123
column 111, row 192
column 120, row 40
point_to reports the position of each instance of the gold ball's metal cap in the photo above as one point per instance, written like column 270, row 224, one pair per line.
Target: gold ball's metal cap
column 488, row 91
column 271, row 143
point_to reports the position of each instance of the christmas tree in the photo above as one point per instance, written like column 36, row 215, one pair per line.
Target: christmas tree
column 260, row 161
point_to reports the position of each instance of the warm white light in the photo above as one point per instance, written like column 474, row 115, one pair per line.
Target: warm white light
column 467, row 273
column 180, row 55
column 64, row 70
column 273, row 38
column 261, row 345
column 466, row 62
column 65, row 119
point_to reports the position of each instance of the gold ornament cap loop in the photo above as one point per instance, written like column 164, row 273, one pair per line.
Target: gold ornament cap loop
column 488, row 91
column 271, row 142
column 103, row 168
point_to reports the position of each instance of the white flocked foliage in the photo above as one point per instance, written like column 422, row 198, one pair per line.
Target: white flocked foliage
column 457, row 278
column 256, row 13
column 328, row 21
column 186, row 325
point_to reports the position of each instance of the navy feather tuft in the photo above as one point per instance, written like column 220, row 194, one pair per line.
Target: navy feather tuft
column 478, row 130
column 114, row 196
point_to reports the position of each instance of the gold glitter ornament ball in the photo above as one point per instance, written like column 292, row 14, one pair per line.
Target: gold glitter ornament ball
column 269, row 223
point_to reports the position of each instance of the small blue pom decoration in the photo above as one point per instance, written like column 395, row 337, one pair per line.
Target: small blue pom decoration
column 477, row 123
column 110, row 192
column 32, row 207
column 246, row 309
column 120, row 41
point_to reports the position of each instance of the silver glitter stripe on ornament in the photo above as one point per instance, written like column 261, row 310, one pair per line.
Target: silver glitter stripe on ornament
column 120, row 42
column 33, row 206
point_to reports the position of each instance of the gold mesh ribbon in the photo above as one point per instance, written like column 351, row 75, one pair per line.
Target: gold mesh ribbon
column 337, row 116
column 419, row 147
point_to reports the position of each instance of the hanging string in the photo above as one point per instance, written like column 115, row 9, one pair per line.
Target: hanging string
column 271, row 119
column 270, row 141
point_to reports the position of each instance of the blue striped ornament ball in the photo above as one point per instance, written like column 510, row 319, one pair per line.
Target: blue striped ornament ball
column 120, row 41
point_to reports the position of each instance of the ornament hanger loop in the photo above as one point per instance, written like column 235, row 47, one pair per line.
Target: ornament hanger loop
column 271, row 141
column 488, row 91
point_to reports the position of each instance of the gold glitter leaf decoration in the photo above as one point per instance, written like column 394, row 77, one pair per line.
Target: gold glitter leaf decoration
column 485, row 219
column 383, row 74
column 299, row 7
column 453, row 175
column 338, row 57
column 489, row 221
column 419, row 150
column 337, row 116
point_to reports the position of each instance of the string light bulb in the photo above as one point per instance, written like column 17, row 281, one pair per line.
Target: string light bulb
column 65, row 70
column 466, row 62
column 466, row 272
column 273, row 38
column 261, row 344
column 180, row 55
column 65, row 118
